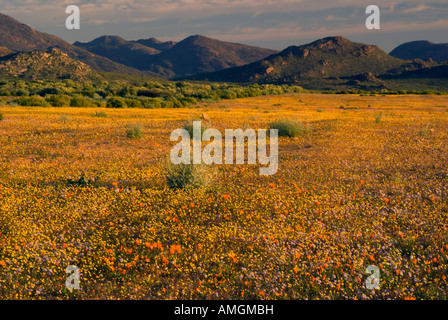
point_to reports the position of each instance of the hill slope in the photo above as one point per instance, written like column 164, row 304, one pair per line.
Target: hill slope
column 325, row 58
column 19, row 37
column 50, row 65
column 120, row 50
column 198, row 54
column 422, row 50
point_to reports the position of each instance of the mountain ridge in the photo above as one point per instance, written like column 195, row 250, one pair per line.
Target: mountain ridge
column 117, row 49
column 193, row 55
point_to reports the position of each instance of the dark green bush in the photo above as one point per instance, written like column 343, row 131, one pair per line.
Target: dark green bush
column 116, row 103
column 133, row 103
column 59, row 100
column 80, row 101
column 33, row 101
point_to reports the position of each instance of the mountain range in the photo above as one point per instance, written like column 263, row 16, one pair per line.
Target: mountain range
column 193, row 55
column 323, row 64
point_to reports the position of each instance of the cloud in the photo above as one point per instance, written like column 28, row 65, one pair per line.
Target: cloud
column 231, row 20
column 419, row 8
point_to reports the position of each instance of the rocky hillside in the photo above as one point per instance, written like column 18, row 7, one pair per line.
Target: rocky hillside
column 50, row 65
column 325, row 58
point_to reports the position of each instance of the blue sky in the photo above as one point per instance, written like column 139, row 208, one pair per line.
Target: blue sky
column 274, row 24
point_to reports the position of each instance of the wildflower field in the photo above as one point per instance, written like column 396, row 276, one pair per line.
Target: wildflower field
column 364, row 183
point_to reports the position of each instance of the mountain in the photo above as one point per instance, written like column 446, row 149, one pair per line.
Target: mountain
column 19, row 37
column 156, row 44
column 422, row 50
column 51, row 65
column 331, row 57
column 198, row 54
column 117, row 49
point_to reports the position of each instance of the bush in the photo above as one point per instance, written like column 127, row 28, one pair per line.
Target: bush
column 59, row 100
column 134, row 131
column 47, row 91
column 188, row 125
column 378, row 117
column 288, row 128
column 189, row 176
column 116, row 103
column 153, row 93
column 133, row 103
column 1, row 116
column 100, row 114
column 33, row 101
column 80, row 101
column 168, row 104
column 151, row 103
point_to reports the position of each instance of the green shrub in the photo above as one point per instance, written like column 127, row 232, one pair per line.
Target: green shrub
column 80, row 101
column 134, row 131
column 1, row 116
column 59, row 100
column 378, row 117
column 33, row 101
column 100, row 114
column 133, row 103
column 288, row 128
column 190, row 176
column 48, row 91
column 116, row 103
column 188, row 125
column 64, row 118
column 167, row 104
column 151, row 103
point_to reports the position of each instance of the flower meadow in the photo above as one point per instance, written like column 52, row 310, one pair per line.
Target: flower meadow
column 365, row 183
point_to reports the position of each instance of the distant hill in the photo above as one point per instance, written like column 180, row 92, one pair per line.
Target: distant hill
column 19, row 37
column 198, row 54
column 325, row 58
column 51, row 65
column 156, row 44
column 422, row 50
column 117, row 49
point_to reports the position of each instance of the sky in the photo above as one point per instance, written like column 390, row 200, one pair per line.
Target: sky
column 274, row 24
